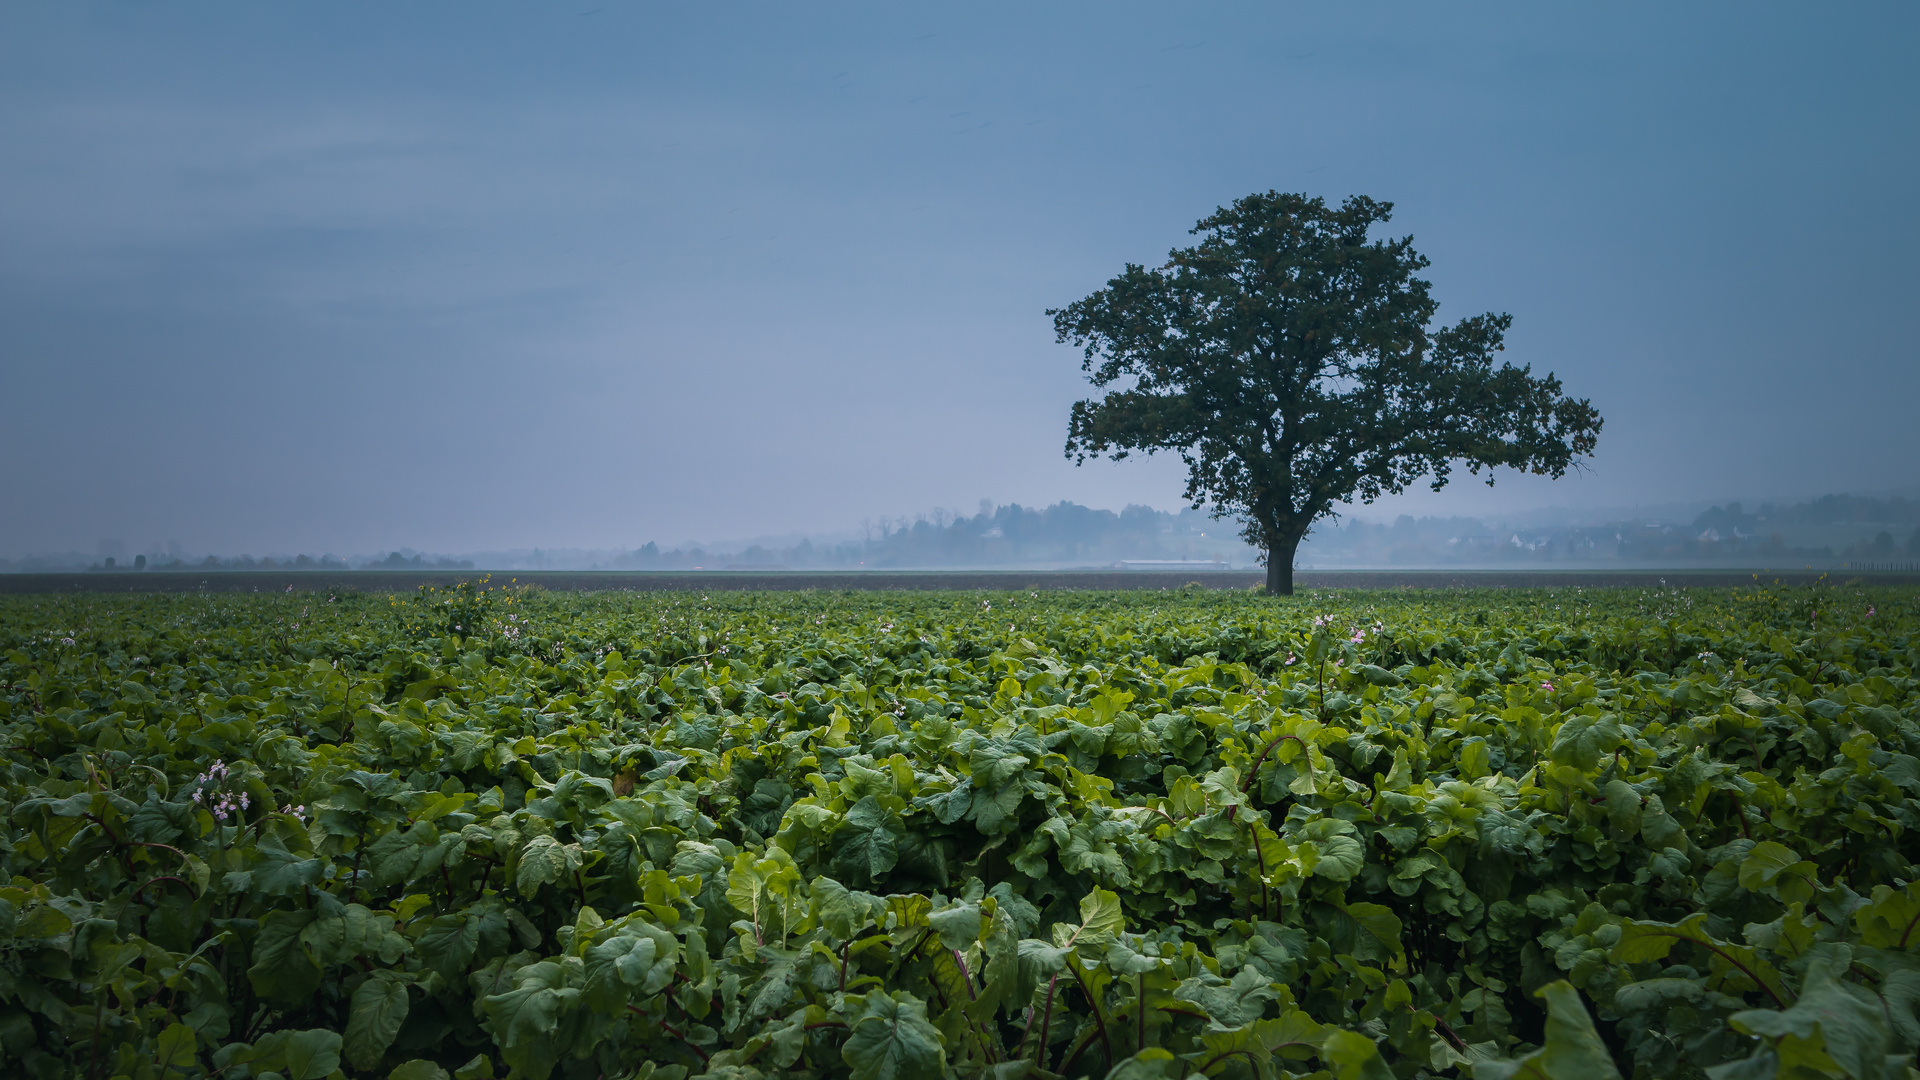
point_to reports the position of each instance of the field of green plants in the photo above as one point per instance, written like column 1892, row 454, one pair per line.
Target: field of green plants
column 492, row 832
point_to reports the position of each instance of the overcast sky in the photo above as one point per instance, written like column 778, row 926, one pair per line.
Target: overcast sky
column 457, row 276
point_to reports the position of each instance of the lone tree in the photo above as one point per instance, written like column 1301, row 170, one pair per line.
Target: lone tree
column 1288, row 360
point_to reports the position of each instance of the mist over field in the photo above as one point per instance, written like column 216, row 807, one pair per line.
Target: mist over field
column 1834, row 531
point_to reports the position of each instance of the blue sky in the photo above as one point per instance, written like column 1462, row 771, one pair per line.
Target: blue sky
column 353, row 276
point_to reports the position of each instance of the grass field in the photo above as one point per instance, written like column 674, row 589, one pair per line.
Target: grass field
column 480, row 832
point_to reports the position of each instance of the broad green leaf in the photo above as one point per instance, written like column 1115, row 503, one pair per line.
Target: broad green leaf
column 1350, row 1055
column 1890, row 918
column 868, row 843
column 1230, row 1003
column 1641, row 942
column 545, row 861
column 1623, row 808
column 524, row 1019
column 299, row 1055
column 1379, row 923
column 1474, row 760
column 1340, row 858
column 844, row 912
column 1153, row 1063
column 1843, row 1019
column 449, row 943
column 958, row 925
column 1100, row 913
column 282, row 971
column 1582, row 740
column 892, row 1040
column 175, row 1049
column 374, row 1017
column 1775, row 869
column 1572, row 1051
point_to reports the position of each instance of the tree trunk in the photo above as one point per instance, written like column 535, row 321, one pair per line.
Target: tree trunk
column 1280, row 567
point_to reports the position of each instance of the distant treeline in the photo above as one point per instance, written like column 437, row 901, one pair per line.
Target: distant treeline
column 1064, row 533
column 1825, row 510
column 1822, row 530
column 1721, row 534
column 176, row 564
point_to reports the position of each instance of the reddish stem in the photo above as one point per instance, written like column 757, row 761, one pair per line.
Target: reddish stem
column 1247, row 784
column 671, row 1030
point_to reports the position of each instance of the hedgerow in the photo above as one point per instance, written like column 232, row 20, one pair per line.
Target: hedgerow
column 485, row 832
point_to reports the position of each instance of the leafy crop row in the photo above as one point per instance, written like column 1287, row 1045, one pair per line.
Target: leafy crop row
column 489, row 832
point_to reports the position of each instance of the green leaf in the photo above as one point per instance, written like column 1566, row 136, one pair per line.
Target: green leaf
column 1230, row 1003
column 1623, row 809
column 1378, row 922
column 951, row 805
column 867, row 840
column 301, row 1055
column 996, row 811
column 279, row 872
column 958, row 925
column 1474, row 759
column 524, row 1019
column 355, row 932
column 1770, row 867
column 892, row 1040
column 1641, row 942
column 378, row 1009
column 1582, row 740
column 1340, row 858
column 282, row 971
column 1100, row 913
column 1350, row 1055
column 1573, row 1050
column 418, row 1069
column 1153, row 1063
column 843, row 911
column 639, row 960
column 545, row 861
column 175, row 1049
column 1845, row 1020
column 1891, row 918
column 449, row 944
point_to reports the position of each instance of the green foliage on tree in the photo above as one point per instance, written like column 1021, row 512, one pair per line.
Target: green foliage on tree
column 1291, row 362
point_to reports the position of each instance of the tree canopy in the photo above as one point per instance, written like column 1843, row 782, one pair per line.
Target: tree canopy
column 1290, row 361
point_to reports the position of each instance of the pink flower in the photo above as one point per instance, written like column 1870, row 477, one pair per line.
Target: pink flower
column 1546, row 686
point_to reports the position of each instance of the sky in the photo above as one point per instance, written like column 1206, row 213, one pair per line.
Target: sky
column 284, row 278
